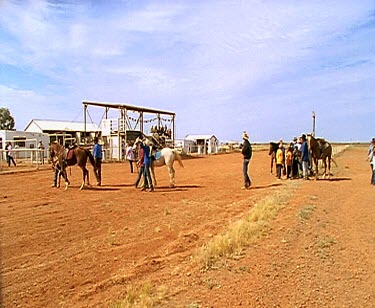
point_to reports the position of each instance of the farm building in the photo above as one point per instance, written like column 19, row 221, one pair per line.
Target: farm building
column 179, row 144
column 25, row 144
column 64, row 131
column 201, row 144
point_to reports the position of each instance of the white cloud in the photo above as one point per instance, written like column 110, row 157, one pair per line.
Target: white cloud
column 187, row 54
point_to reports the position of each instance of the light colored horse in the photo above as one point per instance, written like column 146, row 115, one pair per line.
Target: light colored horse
column 166, row 156
column 321, row 149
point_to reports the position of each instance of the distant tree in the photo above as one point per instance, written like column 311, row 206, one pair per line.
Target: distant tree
column 6, row 119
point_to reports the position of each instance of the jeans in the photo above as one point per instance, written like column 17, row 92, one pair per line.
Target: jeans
column 58, row 172
column 98, row 165
column 305, row 168
column 147, row 177
column 141, row 172
column 131, row 166
column 279, row 168
column 10, row 159
column 289, row 172
column 295, row 168
column 247, row 181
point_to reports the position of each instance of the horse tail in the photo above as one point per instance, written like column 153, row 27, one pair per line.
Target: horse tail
column 334, row 161
column 179, row 158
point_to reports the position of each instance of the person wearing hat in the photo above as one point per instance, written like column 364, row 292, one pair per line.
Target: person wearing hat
column 147, row 180
column 97, row 153
column 247, row 153
column 305, row 157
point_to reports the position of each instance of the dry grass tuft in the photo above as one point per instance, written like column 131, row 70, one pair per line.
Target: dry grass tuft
column 306, row 212
column 242, row 233
column 143, row 296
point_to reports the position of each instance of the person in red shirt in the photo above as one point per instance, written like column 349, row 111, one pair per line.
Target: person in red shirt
column 141, row 165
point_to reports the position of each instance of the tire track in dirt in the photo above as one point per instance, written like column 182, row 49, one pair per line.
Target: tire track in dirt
column 323, row 260
column 84, row 249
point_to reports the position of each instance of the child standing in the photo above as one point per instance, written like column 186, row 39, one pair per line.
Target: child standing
column 279, row 161
column 289, row 162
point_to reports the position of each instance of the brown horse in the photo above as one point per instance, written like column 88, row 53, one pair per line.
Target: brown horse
column 320, row 149
column 76, row 155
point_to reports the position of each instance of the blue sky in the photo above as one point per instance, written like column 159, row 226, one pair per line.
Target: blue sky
column 222, row 66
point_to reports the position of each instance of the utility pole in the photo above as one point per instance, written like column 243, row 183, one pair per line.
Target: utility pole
column 313, row 118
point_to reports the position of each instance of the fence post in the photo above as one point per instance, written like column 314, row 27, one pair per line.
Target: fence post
column 37, row 158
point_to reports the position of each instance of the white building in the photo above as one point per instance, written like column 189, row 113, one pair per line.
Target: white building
column 201, row 144
column 179, row 144
column 24, row 144
column 64, row 131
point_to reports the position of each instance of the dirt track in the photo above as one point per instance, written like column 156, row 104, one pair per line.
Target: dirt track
column 85, row 248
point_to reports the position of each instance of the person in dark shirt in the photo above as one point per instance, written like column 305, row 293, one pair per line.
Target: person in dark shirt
column 247, row 153
column 305, row 157
column 147, row 162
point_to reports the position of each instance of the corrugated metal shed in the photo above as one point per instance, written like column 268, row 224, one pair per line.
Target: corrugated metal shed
column 36, row 125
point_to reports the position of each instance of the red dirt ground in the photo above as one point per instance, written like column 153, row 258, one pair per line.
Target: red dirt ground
column 85, row 248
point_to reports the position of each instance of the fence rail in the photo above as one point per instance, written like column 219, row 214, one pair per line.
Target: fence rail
column 33, row 158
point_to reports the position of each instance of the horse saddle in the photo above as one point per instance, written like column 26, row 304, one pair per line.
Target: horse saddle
column 157, row 154
column 70, row 157
column 70, row 154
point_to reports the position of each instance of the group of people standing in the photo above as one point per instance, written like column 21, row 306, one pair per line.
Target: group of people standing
column 293, row 160
column 144, row 165
column 289, row 162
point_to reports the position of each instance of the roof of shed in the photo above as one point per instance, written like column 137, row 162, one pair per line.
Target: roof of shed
column 196, row 137
column 59, row 125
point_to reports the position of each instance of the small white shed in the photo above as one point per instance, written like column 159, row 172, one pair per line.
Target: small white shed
column 201, row 144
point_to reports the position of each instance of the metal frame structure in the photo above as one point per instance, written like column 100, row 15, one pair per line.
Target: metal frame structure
column 139, row 121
